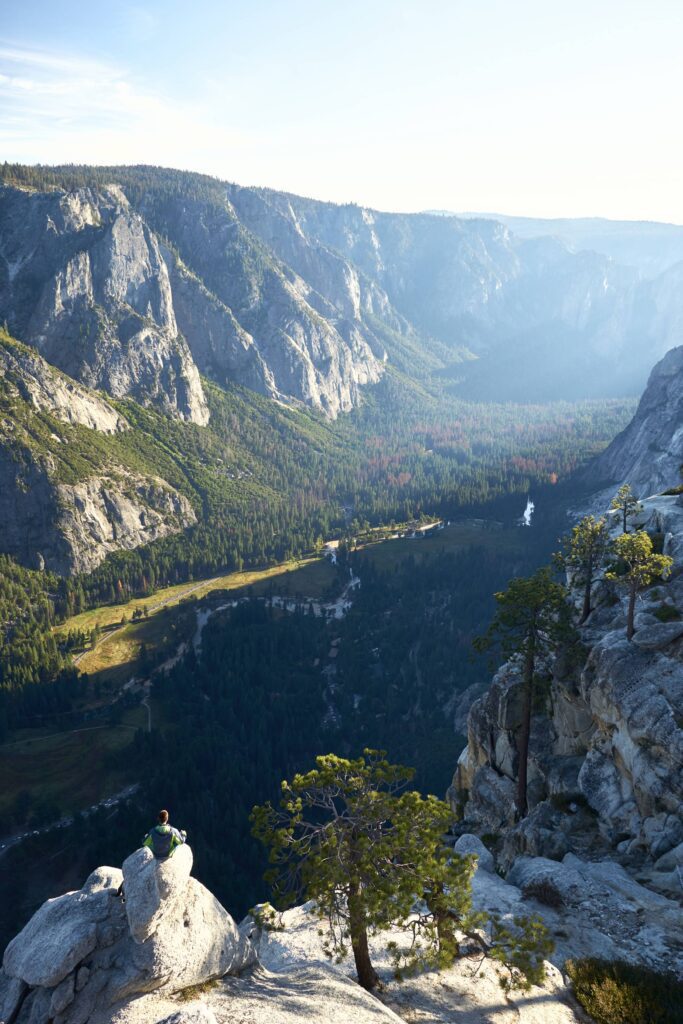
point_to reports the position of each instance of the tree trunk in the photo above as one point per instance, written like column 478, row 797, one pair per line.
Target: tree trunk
column 367, row 976
column 525, row 730
column 587, row 592
column 445, row 920
column 625, row 526
column 630, row 630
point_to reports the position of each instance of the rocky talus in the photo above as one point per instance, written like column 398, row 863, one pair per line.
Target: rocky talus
column 606, row 759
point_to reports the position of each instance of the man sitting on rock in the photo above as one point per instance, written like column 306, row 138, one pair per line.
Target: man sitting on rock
column 163, row 838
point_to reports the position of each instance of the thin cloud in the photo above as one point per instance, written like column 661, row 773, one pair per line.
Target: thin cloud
column 57, row 107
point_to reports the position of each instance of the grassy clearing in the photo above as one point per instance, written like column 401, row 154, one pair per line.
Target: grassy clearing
column 119, row 654
column 51, row 767
column 109, row 615
column 312, row 577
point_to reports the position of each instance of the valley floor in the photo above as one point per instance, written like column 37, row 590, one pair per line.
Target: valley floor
column 47, row 762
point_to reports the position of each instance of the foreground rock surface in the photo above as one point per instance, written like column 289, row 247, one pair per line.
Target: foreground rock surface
column 84, row 955
column 295, row 982
column 76, row 962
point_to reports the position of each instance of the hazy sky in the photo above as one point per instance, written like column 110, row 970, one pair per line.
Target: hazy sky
column 543, row 108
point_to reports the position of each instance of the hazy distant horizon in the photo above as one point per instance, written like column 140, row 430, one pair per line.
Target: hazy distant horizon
column 463, row 214
column 397, row 105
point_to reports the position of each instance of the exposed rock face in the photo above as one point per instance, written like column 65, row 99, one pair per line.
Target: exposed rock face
column 51, row 518
column 26, row 374
column 544, row 320
column 301, row 300
column 268, row 327
column 606, row 761
column 152, row 887
column 71, row 528
column 333, row 275
column 108, row 513
column 77, row 961
column 221, row 348
column 83, row 280
column 648, row 454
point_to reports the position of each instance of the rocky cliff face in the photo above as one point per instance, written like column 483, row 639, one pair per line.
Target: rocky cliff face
column 268, row 327
column 302, row 300
column 83, row 280
column 53, row 517
column 649, row 453
column 544, row 320
column 24, row 375
column 606, row 764
column 71, row 528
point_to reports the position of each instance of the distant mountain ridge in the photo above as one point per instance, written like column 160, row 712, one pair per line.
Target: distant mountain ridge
column 124, row 285
column 650, row 246
column 132, row 279
column 542, row 321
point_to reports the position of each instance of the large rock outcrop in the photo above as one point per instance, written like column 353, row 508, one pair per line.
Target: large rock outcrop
column 648, row 454
column 85, row 956
column 29, row 378
column 83, row 280
column 69, row 528
column 606, row 759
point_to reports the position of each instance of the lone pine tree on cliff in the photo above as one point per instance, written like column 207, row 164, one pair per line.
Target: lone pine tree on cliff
column 532, row 621
column 372, row 856
column 584, row 553
column 637, row 566
column 625, row 501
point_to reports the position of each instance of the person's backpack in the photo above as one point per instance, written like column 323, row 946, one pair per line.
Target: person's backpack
column 162, row 840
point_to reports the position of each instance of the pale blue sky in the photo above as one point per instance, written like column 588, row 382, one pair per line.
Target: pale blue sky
column 525, row 107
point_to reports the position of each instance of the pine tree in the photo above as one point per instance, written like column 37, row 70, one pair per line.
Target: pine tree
column 584, row 553
column 368, row 854
column 531, row 622
column 642, row 567
column 625, row 501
